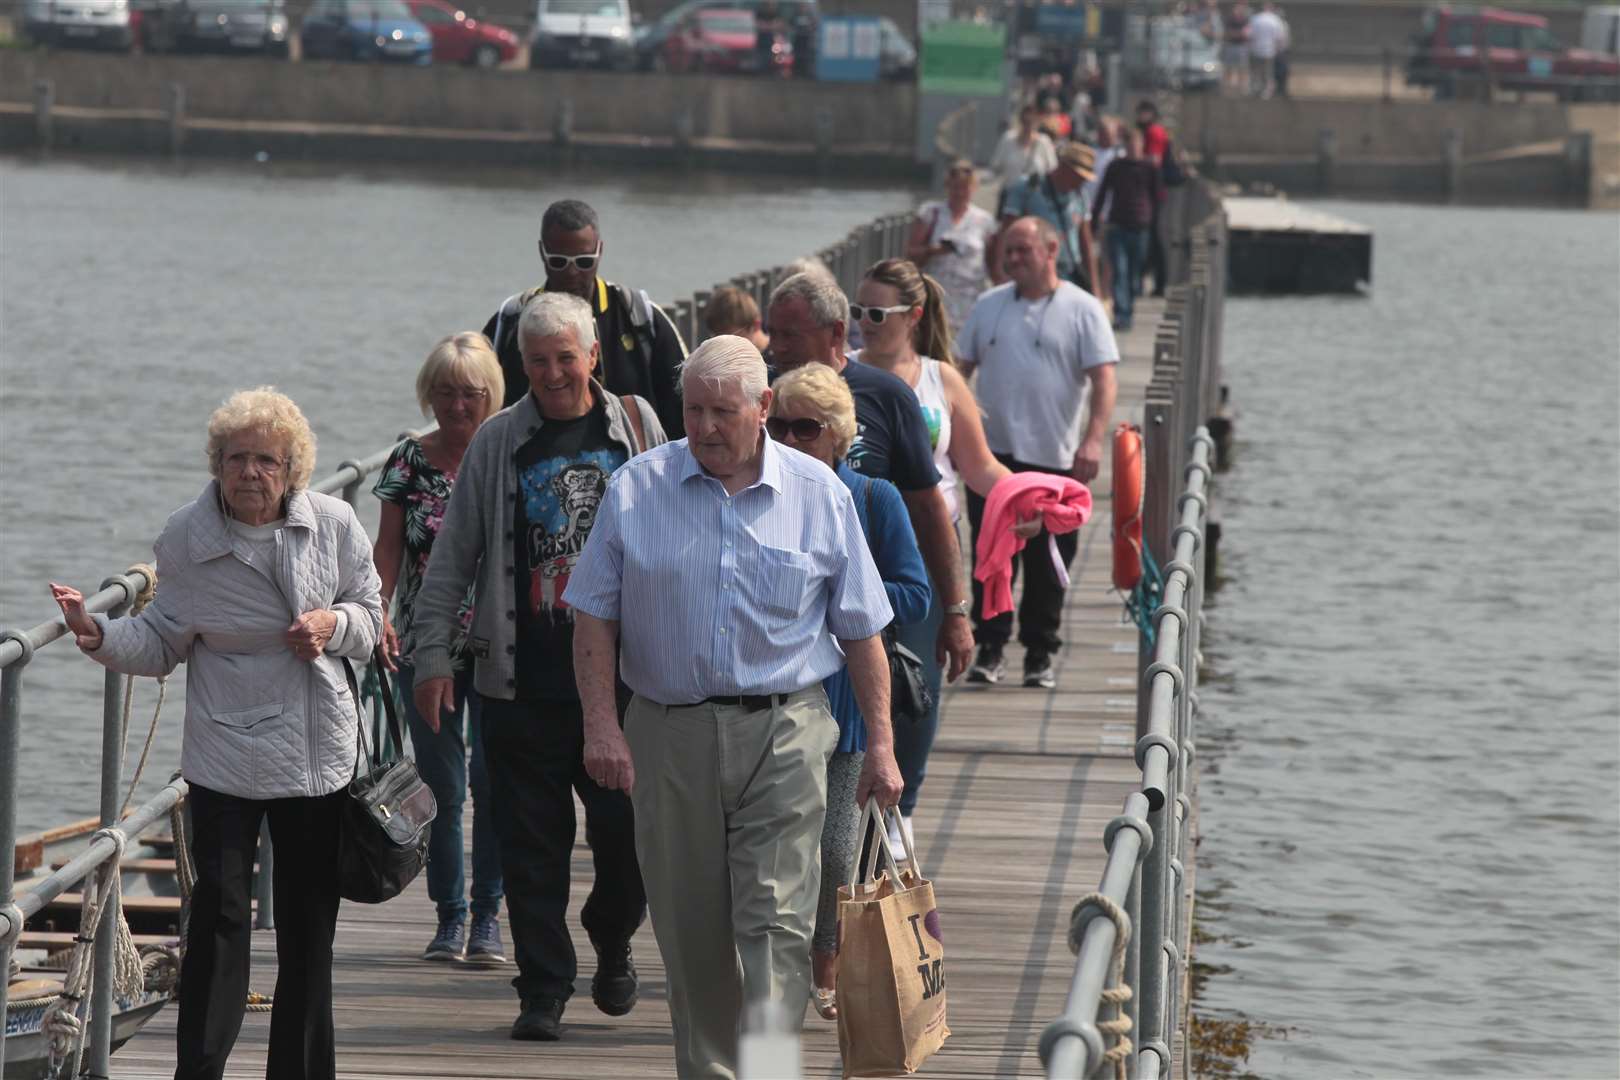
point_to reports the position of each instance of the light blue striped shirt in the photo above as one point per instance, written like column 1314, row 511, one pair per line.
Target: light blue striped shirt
column 720, row 594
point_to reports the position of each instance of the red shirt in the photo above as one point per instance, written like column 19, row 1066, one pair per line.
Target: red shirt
column 1155, row 141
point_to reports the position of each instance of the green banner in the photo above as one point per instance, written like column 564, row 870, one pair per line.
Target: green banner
column 963, row 58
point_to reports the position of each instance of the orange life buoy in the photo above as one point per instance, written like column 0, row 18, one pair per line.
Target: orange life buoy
column 1129, row 476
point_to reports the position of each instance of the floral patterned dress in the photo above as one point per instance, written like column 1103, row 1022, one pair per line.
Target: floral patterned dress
column 422, row 490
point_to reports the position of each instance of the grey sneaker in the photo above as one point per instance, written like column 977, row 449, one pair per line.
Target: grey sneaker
column 448, row 942
column 1038, row 670
column 484, row 943
column 988, row 666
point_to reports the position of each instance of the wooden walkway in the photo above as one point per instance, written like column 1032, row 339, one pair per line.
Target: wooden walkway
column 1009, row 827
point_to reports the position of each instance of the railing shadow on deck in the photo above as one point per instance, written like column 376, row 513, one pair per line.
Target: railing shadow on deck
column 1143, row 880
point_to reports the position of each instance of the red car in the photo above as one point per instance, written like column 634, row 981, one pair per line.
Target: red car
column 717, row 40
column 458, row 38
column 1462, row 49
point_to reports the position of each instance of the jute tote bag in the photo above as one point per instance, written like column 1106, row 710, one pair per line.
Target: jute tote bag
column 891, row 973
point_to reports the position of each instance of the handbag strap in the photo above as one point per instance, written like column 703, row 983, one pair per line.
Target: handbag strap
column 395, row 733
column 879, row 850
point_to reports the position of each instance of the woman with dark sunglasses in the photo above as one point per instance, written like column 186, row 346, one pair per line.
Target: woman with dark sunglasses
column 813, row 412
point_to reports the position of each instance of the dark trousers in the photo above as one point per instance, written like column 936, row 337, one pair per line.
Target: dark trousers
column 1157, row 259
column 1040, row 611
column 535, row 755
column 214, row 974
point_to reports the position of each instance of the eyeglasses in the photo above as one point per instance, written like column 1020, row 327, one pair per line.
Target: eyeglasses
column 238, row 463
column 562, row 262
column 875, row 315
column 448, row 395
column 805, row 430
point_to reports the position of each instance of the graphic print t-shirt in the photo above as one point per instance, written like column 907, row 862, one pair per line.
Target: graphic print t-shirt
column 561, row 475
column 892, row 436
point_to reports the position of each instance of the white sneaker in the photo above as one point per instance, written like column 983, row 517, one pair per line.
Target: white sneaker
column 897, row 846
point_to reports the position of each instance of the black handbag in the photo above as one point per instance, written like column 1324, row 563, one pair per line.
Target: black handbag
column 387, row 817
column 908, row 690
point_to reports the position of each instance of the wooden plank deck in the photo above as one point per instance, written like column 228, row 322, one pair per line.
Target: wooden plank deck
column 1020, row 786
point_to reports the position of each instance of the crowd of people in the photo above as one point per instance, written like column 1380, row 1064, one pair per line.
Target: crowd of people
column 668, row 584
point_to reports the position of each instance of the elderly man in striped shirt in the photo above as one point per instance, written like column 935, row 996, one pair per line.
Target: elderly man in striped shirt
column 734, row 575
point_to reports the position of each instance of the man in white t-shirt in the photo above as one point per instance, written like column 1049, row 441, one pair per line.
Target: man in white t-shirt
column 1044, row 351
column 1023, row 150
column 1268, row 35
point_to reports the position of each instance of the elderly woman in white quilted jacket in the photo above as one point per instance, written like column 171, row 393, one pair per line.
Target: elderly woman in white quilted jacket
column 263, row 588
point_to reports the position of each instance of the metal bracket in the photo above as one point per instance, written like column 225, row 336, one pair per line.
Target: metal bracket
column 1186, row 568
column 1127, row 821
column 1196, row 533
column 1171, row 609
column 1180, row 871
column 1152, row 739
column 1063, row 1026
column 1194, row 496
column 1200, row 466
column 1156, row 667
column 24, row 642
column 11, row 915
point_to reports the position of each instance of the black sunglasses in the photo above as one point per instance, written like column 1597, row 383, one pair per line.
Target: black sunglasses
column 805, row 430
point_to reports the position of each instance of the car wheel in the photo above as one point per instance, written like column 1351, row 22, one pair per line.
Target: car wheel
column 487, row 57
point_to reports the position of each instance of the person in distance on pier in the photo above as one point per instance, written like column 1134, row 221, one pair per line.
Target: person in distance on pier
column 1045, row 355
column 808, row 317
column 527, row 498
column 641, row 351
column 270, row 730
column 461, row 383
column 732, row 311
column 732, row 574
column 1057, row 197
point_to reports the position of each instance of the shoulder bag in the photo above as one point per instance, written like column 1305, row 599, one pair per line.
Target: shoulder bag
column 386, row 819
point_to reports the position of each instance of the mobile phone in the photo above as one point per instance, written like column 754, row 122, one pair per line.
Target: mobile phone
column 949, row 245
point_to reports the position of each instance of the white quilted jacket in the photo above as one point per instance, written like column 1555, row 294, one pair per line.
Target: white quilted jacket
column 260, row 723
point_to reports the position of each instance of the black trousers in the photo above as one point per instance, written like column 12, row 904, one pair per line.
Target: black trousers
column 535, row 755
column 1040, row 611
column 214, row 974
column 1158, row 260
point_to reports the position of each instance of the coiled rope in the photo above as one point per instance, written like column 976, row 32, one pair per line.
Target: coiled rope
column 1116, row 993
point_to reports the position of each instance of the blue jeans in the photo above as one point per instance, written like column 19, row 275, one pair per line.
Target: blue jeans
column 914, row 739
column 1127, row 256
column 442, row 760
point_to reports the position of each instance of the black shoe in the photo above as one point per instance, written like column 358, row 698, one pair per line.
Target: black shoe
column 613, row 987
column 540, row 1020
column 988, row 667
column 1038, row 670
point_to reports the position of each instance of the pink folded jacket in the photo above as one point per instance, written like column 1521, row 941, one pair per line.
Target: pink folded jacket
column 1063, row 503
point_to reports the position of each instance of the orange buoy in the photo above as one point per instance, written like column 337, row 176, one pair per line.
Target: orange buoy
column 1129, row 480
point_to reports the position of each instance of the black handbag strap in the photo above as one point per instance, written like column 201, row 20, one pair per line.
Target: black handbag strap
column 396, row 734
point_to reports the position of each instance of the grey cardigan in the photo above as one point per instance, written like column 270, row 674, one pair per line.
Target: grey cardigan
column 474, row 545
column 260, row 723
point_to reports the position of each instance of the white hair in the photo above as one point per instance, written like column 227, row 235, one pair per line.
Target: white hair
column 820, row 293
column 550, row 313
column 727, row 359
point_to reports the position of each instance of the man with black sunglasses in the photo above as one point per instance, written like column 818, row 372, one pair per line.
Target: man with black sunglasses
column 641, row 350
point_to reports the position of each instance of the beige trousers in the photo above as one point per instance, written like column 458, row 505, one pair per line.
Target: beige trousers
column 729, row 807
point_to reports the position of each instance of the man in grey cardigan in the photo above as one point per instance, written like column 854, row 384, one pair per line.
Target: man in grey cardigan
column 519, row 514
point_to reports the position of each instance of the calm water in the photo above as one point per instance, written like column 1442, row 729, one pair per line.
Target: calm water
column 135, row 297
column 1411, row 833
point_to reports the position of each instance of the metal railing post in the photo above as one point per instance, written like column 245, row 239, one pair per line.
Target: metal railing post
column 99, row 1056
column 10, row 736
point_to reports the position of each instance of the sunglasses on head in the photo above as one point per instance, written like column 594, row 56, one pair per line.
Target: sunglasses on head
column 875, row 315
column 805, row 430
column 555, row 261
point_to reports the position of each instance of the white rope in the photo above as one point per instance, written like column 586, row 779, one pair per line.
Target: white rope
column 1116, row 994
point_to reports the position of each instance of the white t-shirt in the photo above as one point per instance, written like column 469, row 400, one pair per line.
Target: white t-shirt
column 1013, row 161
column 960, row 273
column 1032, row 358
column 1266, row 34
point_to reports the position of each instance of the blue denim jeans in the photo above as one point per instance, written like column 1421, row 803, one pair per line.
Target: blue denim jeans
column 1127, row 257
column 442, row 759
column 914, row 739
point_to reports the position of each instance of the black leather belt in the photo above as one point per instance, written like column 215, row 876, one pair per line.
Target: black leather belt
column 751, row 702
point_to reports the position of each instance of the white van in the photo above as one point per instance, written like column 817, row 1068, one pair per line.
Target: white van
column 79, row 22
column 582, row 33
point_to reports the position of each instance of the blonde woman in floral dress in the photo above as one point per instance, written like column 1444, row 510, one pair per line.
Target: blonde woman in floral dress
column 461, row 385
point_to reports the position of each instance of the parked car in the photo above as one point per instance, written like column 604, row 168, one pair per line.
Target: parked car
column 582, row 33
column 1174, row 55
column 1460, row 49
column 364, row 30
column 458, row 38
column 103, row 23
column 724, row 40
column 215, row 25
column 797, row 17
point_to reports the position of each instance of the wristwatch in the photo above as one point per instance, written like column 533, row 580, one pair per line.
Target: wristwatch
column 959, row 608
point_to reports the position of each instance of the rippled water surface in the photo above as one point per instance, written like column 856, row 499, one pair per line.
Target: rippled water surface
column 1411, row 828
column 134, row 297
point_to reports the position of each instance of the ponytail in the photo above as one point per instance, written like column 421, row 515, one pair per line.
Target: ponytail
column 933, row 336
